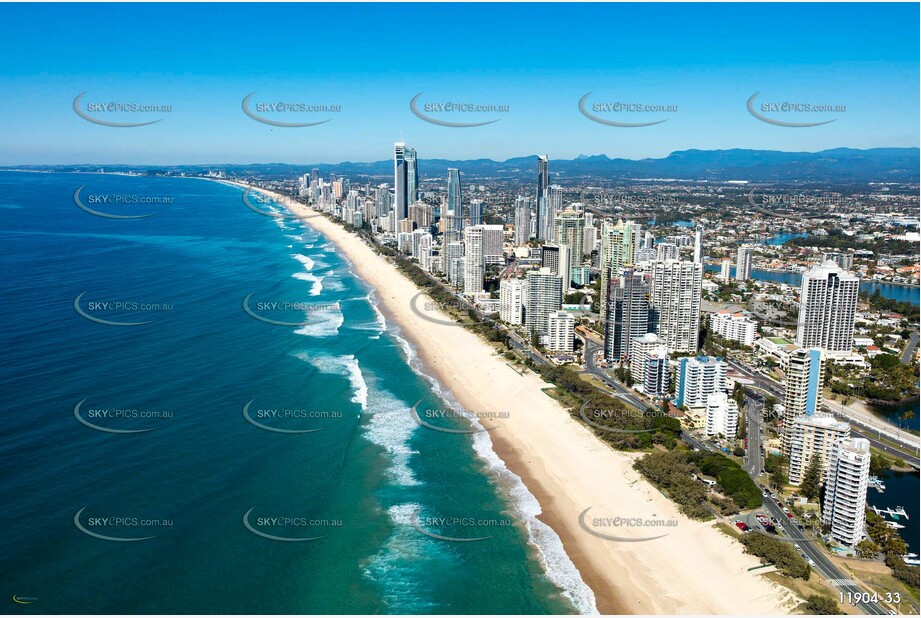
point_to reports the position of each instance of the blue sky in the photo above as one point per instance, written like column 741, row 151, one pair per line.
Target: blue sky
column 371, row 59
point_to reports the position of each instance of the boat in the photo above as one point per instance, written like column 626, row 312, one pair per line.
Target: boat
column 894, row 525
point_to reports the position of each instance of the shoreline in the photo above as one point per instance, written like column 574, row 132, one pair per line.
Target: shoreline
column 566, row 468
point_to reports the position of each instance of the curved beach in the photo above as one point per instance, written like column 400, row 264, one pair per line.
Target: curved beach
column 692, row 569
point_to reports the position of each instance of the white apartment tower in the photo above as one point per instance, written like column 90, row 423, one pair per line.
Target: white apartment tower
column 560, row 331
column 828, row 302
column 512, row 300
column 846, row 479
column 675, row 303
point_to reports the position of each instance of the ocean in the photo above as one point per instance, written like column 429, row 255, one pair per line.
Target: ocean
column 204, row 412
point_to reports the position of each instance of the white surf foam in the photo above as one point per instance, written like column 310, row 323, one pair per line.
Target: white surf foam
column 322, row 322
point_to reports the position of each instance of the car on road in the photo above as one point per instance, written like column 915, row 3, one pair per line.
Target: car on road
column 811, row 562
column 741, row 525
column 796, row 545
column 773, row 496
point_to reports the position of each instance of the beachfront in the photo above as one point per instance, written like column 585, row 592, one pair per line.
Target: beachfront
column 695, row 569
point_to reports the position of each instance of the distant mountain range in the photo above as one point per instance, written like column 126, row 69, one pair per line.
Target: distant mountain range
column 837, row 165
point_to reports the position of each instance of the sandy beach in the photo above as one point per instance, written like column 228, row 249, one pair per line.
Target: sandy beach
column 693, row 569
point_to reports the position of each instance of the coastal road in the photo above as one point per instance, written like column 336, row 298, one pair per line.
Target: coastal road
column 910, row 348
column 814, row 550
column 624, row 393
column 754, row 407
column 859, row 429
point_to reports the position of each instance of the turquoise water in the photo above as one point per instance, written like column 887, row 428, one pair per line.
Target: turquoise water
column 343, row 371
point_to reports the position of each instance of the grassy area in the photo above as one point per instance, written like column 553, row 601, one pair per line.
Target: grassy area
column 877, row 577
column 815, row 585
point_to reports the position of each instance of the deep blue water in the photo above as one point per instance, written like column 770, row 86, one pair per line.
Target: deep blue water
column 189, row 481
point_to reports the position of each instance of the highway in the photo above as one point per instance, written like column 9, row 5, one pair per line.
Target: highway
column 910, row 348
column 812, row 547
column 624, row 393
column 858, row 429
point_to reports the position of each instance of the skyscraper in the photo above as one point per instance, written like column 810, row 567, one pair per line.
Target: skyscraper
column 454, row 218
column 846, row 479
column 698, row 378
column 618, row 243
column 649, row 364
column 744, row 263
column 400, row 181
column 512, row 298
column 569, row 231
column 476, row 212
column 555, row 205
column 725, row 265
column 628, row 314
column 545, row 295
column 474, row 261
column 543, row 194
column 675, row 303
column 828, row 303
column 805, row 377
column 557, row 259
column 522, row 221
column 698, row 244
column 412, row 174
column 810, row 437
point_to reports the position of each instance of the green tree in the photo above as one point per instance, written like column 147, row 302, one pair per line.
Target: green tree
column 812, row 480
column 821, row 605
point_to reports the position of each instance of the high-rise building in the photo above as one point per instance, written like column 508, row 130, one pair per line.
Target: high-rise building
column 698, row 378
column 570, row 226
column 844, row 260
column 734, row 327
column 542, row 197
column 545, row 295
column 555, row 205
column 412, row 175
column 618, row 243
column 400, row 181
column 474, row 261
column 809, row 437
column 675, row 303
column 744, row 263
column 476, row 212
column 454, row 217
column 628, row 313
column 493, row 239
column 649, row 364
column 698, row 244
column 805, row 378
column 722, row 415
column 522, row 221
column 827, row 306
column 667, row 251
column 725, row 270
column 556, row 258
column 452, row 255
column 847, row 476
column 560, row 331
column 513, row 294
column 421, row 214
